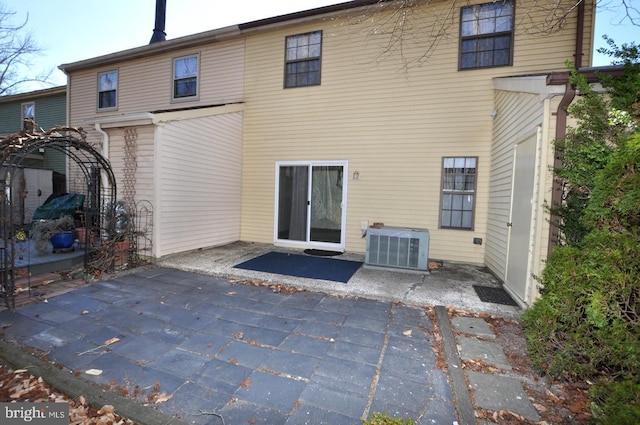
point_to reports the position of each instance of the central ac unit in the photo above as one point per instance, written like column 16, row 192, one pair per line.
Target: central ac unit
column 398, row 247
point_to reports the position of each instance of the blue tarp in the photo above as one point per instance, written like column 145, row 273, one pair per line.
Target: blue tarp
column 58, row 207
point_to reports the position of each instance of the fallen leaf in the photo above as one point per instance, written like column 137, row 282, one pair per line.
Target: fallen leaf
column 94, row 372
column 107, row 408
column 246, row 382
column 111, row 341
column 85, row 312
column 162, row 397
column 407, row 332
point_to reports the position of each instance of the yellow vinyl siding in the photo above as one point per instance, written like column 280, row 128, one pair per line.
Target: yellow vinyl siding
column 392, row 123
column 391, row 120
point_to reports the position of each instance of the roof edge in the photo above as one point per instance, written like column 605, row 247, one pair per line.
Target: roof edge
column 309, row 13
column 51, row 91
column 206, row 37
column 160, row 47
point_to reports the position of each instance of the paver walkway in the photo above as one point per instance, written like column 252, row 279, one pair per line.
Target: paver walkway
column 247, row 353
column 493, row 391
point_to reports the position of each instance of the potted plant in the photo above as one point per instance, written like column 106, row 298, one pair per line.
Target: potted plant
column 59, row 232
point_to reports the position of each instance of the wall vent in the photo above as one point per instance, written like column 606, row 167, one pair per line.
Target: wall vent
column 398, row 247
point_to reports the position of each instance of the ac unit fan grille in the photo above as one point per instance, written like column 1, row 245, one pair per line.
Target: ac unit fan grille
column 401, row 248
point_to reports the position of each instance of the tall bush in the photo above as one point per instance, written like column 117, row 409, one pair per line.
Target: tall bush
column 586, row 325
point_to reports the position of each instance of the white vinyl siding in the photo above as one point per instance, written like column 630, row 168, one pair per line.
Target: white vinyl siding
column 198, row 182
column 524, row 110
column 146, row 85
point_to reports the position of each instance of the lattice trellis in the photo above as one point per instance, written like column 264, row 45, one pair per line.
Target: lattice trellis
column 130, row 166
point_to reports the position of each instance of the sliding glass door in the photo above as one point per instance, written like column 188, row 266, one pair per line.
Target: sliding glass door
column 310, row 204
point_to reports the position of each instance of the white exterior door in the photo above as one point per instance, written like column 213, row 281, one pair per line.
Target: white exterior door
column 520, row 221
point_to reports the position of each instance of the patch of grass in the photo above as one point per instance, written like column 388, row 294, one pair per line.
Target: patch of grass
column 378, row 418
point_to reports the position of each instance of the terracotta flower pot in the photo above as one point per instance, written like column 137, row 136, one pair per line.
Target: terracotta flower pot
column 122, row 252
column 84, row 235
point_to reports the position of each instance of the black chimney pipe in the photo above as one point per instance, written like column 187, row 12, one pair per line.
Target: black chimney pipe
column 161, row 14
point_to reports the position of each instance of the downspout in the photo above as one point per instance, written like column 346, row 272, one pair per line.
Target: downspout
column 67, row 107
column 105, row 147
column 561, row 127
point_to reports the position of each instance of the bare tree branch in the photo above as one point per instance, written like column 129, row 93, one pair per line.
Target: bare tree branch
column 399, row 25
column 17, row 49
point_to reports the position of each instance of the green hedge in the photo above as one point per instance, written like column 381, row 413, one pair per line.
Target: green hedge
column 586, row 324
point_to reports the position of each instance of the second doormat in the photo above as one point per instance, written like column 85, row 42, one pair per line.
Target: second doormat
column 490, row 294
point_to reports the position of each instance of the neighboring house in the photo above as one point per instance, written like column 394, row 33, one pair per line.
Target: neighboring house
column 44, row 171
column 302, row 131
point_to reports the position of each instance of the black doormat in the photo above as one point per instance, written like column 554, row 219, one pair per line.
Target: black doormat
column 489, row 294
column 303, row 266
column 321, row 252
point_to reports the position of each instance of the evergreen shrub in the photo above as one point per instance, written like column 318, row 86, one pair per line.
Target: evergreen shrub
column 586, row 324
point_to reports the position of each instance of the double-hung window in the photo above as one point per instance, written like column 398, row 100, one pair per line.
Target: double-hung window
column 28, row 113
column 458, row 192
column 107, row 90
column 185, row 77
column 302, row 59
column 486, row 35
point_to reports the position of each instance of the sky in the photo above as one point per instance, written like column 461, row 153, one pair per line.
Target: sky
column 73, row 30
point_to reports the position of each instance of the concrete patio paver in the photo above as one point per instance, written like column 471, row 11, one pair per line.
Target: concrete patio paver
column 243, row 352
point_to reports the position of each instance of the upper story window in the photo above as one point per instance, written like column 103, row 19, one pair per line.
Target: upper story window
column 107, row 90
column 185, row 77
column 28, row 113
column 458, row 192
column 486, row 35
column 302, row 60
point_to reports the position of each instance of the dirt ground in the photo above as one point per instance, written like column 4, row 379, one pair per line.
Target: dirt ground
column 557, row 402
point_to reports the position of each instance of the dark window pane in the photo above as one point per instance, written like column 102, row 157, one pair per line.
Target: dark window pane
column 502, row 57
column 466, row 220
column 302, row 67
column 503, row 42
column 446, row 218
column 185, row 87
column 458, row 192
column 314, row 78
column 107, row 99
column 456, row 218
column 479, row 31
column 468, row 60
